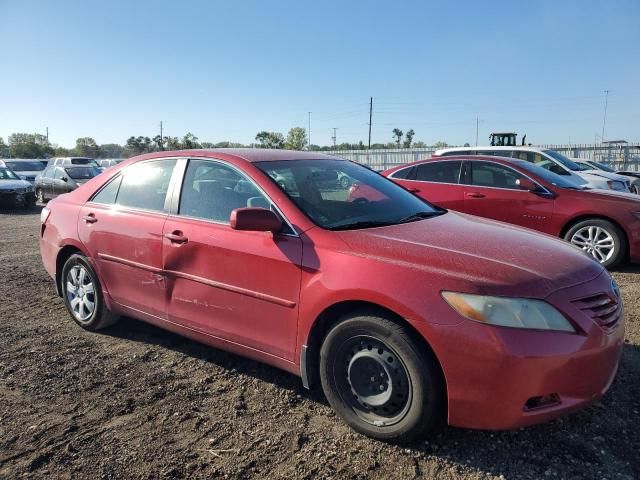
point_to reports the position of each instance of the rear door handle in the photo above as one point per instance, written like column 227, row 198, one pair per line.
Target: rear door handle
column 176, row 237
column 475, row 195
column 90, row 218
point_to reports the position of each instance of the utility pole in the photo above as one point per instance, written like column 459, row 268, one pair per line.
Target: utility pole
column 161, row 137
column 604, row 120
column 477, row 121
column 334, row 136
column 370, row 115
column 309, row 135
column 47, row 135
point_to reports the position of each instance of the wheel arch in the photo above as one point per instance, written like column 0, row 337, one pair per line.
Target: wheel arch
column 332, row 316
column 569, row 224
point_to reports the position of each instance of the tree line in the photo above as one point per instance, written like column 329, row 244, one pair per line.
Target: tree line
column 35, row 145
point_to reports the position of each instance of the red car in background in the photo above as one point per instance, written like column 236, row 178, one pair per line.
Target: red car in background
column 603, row 223
column 405, row 313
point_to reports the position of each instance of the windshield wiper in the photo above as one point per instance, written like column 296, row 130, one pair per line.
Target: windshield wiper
column 364, row 224
column 420, row 216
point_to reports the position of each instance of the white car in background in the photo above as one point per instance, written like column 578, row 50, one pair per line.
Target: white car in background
column 634, row 180
column 545, row 158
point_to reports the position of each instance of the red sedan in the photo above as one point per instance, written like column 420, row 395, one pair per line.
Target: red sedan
column 603, row 223
column 406, row 314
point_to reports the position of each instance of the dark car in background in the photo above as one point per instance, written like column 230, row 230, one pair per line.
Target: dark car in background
column 27, row 169
column 72, row 161
column 15, row 191
column 56, row 180
column 603, row 223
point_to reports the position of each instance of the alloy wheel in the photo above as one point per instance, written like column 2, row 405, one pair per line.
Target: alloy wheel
column 80, row 293
column 596, row 241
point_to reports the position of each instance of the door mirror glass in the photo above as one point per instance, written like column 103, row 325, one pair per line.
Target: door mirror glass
column 526, row 184
column 255, row 219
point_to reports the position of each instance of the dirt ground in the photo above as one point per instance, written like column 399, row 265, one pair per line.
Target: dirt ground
column 138, row 402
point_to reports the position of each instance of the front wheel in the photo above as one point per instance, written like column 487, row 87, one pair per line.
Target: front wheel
column 601, row 239
column 82, row 295
column 379, row 380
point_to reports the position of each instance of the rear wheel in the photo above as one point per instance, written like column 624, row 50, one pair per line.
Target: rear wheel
column 82, row 294
column 379, row 380
column 601, row 239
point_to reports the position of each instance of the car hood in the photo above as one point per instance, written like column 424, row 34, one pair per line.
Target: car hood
column 492, row 258
column 11, row 184
column 612, row 194
column 607, row 175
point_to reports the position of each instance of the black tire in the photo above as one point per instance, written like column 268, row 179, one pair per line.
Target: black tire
column 411, row 395
column 617, row 253
column 100, row 317
column 40, row 196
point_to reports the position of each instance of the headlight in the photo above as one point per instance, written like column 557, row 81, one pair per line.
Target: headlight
column 616, row 185
column 508, row 312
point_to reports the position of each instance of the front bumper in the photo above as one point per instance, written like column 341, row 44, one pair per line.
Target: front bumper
column 21, row 198
column 493, row 373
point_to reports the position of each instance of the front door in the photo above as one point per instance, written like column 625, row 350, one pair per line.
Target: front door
column 491, row 190
column 236, row 285
column 122, row 228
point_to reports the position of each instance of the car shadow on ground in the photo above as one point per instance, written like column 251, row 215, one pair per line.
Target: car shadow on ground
column 5, row 210
column 569, row 444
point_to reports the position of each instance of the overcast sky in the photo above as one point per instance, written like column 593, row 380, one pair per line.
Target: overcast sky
column 225, row 70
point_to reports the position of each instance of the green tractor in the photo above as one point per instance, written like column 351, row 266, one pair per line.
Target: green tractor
column 505, row 139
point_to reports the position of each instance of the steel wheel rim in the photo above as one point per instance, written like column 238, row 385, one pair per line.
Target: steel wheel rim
column 596, row 241
column 80, row 292
column 373, row 381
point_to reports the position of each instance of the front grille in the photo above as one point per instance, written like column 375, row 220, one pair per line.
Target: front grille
column 604, row 308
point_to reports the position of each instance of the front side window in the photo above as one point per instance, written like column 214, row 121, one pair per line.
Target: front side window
column 405, row 173
column 58, row 174
column 439, row 172
column 370, row 201
column 212, row 190
column 541, row 161
column 485, row 174
column 6, row 174
column 145, row 185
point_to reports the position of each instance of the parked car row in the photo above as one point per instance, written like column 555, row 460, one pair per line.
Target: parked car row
column 405, row 313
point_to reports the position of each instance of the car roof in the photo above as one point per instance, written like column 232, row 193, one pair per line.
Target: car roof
column 489, row 147
column 247, row 154
column 492, row 158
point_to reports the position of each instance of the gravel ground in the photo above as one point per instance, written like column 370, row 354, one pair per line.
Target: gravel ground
column 138, row 402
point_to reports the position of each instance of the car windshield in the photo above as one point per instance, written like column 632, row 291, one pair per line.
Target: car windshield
column 82, row 173
column 549, row 176
column 560, row 158
column 6, row 174
column 83, row 161
column 342, row 195
column 602, row 166
column 25, row 166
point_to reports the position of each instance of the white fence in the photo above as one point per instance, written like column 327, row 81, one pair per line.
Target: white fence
column 619, row 157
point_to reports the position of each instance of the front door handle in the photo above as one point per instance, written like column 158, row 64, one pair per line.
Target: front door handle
column 176, row 237
column 90, row 218
column 475, row 195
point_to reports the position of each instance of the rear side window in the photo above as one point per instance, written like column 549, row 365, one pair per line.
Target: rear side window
column 145, row 185
column 107, row 196
column 496, row 153
column 405, row 174
column 439, row 172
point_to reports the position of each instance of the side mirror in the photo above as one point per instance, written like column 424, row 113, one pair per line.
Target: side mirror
column 255, row 220
column 526, row 184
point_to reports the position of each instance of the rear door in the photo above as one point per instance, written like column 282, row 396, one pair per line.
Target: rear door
column 121, row 226
column 236, row 285
column 437, row 182
column 491, row 190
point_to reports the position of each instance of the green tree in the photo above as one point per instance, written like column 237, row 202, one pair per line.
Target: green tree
column 419, row 144
column 86, row 147
column 270, row 139
column 4, row 148
column 111, row 150
column 296, row 139
column 440, row 144
column 29, row 145
column 408, row 138
column 397, row 133
column 137, row 146
column 190, row 141
column 466, row 144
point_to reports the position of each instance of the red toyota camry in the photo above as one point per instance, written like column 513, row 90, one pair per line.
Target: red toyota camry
column 405, row 313
column 604, row 223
